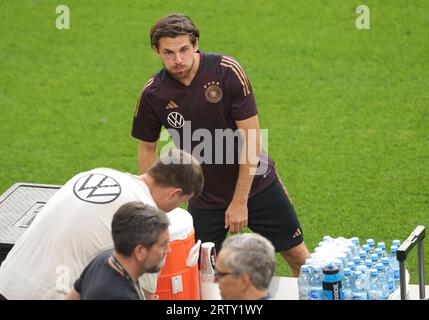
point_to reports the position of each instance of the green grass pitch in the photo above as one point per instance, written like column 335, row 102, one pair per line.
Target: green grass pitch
column 347, row 110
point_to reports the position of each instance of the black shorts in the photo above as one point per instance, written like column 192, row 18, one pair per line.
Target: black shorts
column 270, row 214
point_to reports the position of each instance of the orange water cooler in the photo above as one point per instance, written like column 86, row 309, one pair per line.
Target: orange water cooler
column 179, row 277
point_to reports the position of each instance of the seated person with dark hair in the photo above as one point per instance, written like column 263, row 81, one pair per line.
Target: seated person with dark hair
column 140, row 237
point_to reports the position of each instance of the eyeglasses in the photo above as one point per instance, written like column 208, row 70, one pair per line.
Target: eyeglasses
column 218, row 275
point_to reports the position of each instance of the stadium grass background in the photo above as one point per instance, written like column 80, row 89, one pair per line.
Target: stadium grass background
column 346, row 109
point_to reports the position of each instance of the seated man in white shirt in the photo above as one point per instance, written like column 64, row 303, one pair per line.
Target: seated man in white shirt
column 75, row 225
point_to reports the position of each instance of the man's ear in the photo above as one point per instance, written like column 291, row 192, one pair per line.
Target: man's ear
column 156, row 50
column 245, row 280
column 176, row 192
column 140, row 252
column 196, row 45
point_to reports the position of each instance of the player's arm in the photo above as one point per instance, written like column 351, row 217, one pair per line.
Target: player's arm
column 146, row 127
column 146, row 155
column 236, row 214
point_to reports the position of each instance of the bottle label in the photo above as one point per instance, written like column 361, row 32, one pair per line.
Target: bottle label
column 315, row 294
column 208, row 261
column 396, row 274
column 333, row 291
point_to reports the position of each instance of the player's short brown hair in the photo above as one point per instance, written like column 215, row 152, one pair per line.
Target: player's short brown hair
column 177, row 168
column 173, row 25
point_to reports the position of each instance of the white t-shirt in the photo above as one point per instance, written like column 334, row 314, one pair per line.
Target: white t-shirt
column 72, row 228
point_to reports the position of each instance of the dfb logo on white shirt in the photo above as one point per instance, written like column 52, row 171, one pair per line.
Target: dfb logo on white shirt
column 97, row 188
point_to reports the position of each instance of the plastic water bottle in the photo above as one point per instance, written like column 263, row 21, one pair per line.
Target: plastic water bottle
column 342, row 258
column 363, row 271
column 384, row 281
column 316, row 289
column 348, row 250
column 374, row 290
column 355, row 241
column 394, row 264
column 382, row 246
column 357, row 260
column 371, row 244
column 389, row 272
column 379, row 253
column 362, row 255
column 347, row 284
column 374, row 258
column 367, row 249
column 332, row 289
column 396, row 243
column 368, row 264
column 359, row 291
column 351, row 265
column 309, row 262
column 304, row 282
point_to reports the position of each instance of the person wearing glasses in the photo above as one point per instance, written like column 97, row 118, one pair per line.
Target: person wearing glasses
column 140, row 238
column 245, row 266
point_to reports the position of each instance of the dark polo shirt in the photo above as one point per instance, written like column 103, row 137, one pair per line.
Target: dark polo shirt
column 219, row 95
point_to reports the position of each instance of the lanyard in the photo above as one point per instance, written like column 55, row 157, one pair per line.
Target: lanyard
column 125, row 274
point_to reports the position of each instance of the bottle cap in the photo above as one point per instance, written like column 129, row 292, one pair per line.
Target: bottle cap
column 305, row 268
column 381, row 245
column 330, row 268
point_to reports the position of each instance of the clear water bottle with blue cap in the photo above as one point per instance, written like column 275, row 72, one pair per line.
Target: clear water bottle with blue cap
column 355, row 241
column 382, row 246
column 343, row 261
column 348, row 250
column 316, row 289
column 371, row 244
column 332, row 288
column 368, row 263
column 389, row 272
column 351, row 265
column 363, row 269
column 396, row 243
column 357, row 260
column 362, row 256
column 384, row 280
column 304, row 282
column 374, row 289
column 379, row 253
column 359, row 290
column 374, row 258
column 367, row 249
column 309, row 262
column 394, row 264
column 347, row 284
